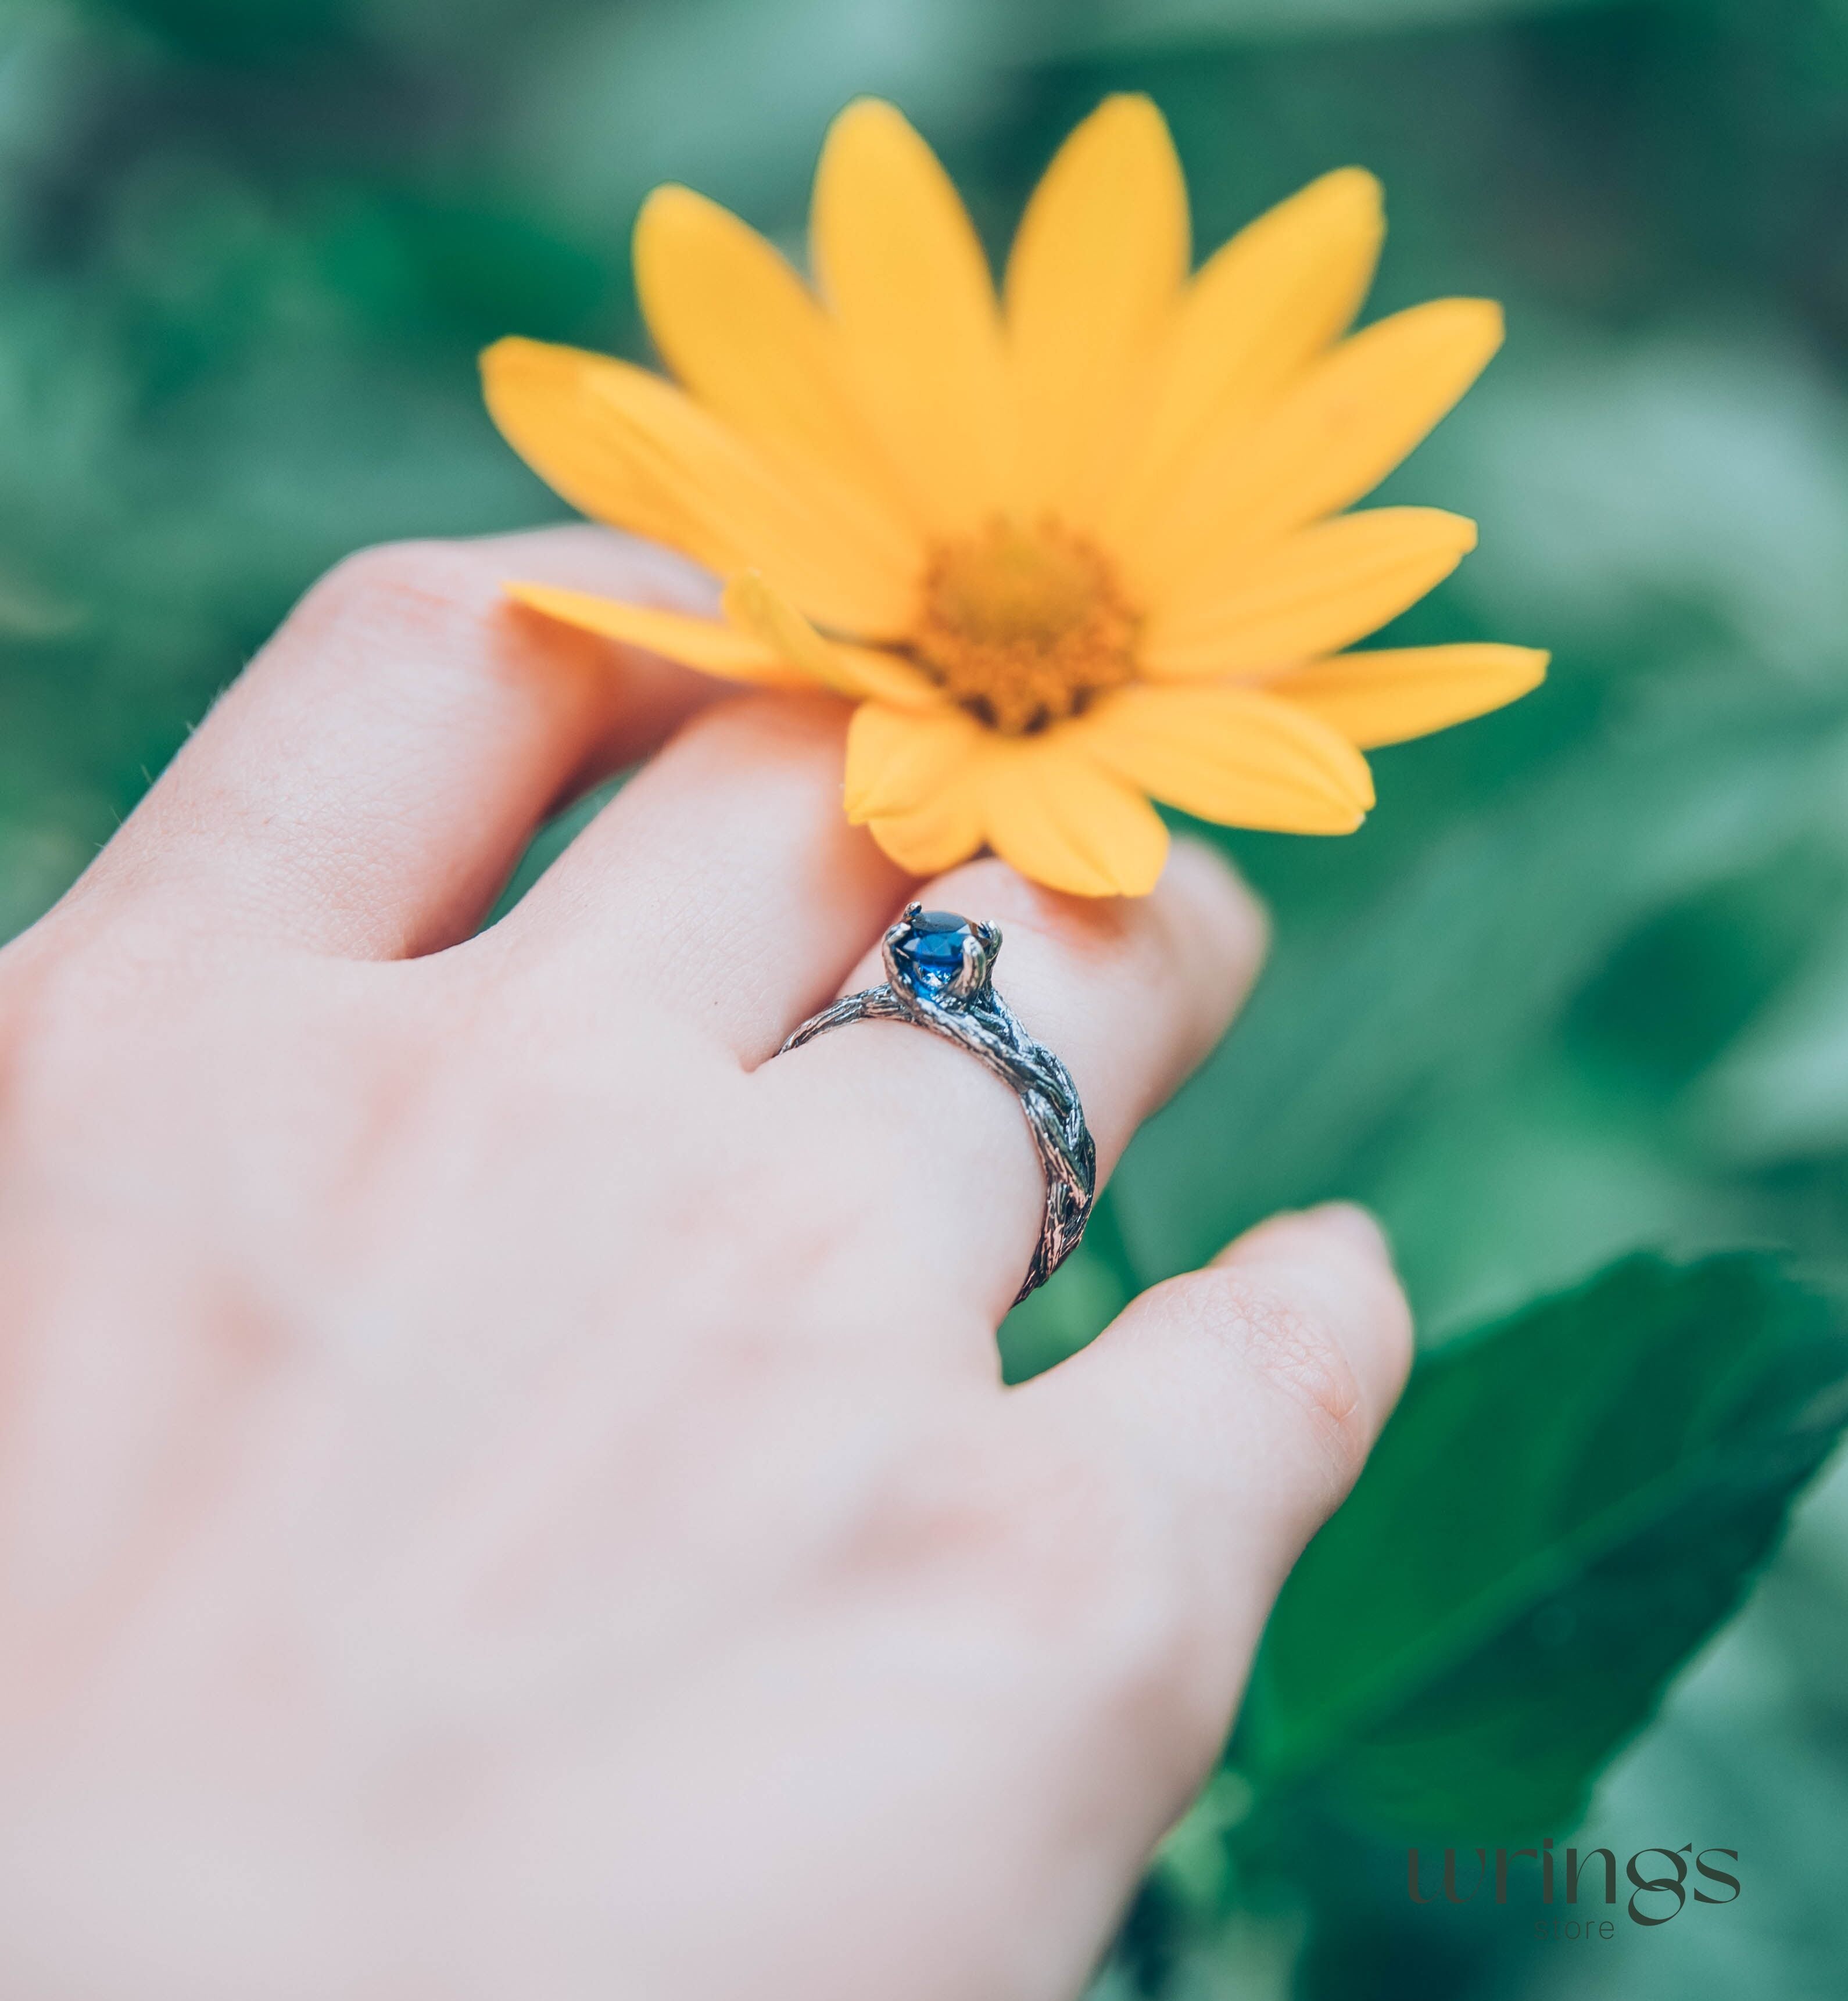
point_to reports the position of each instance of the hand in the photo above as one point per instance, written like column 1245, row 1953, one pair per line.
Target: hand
column 505, row 1492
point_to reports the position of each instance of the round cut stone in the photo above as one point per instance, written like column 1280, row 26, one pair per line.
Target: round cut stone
column 932, row 953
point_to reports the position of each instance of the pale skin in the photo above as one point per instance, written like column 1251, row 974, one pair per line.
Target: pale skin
column 505, row 1490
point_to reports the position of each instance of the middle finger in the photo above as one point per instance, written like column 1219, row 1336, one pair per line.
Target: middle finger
column 722, row 885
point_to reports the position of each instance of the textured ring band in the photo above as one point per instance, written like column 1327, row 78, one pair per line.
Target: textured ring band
column 939, row 971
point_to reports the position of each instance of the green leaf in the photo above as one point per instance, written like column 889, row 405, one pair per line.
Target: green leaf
column 1564, row 1507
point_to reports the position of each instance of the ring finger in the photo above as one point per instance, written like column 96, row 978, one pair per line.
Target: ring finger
column 1131, row 993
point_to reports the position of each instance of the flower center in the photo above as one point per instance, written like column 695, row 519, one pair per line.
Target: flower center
column 1023, row 625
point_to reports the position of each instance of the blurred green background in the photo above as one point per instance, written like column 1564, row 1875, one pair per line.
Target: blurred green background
column 1581, row 982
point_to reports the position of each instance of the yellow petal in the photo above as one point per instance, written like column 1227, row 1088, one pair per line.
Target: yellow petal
column 876, row 675
column 1260, row 309
column 1333, row 437
column 631, row 449
column 1235, row 755
column 739, row 328
column 757, row 609
column 1317, row 590
column 1096, row 272
column 1061, row 819
column 704, row 643
column 899, row 760
column 903, row 273
column 545, row 400
column 938, row 835
column 1387, row 696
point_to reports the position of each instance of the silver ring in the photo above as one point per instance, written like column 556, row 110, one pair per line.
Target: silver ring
column 939, row 975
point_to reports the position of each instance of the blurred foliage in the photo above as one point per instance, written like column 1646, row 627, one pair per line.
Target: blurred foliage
column 1580, row 986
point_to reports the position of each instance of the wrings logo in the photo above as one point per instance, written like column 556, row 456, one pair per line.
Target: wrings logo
column 1658, row 1888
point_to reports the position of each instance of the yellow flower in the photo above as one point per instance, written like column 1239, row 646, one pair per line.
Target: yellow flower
column 1066, row 551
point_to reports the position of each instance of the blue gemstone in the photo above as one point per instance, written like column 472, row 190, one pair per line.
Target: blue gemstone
column 931, row 954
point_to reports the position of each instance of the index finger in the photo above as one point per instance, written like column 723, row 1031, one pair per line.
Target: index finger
column 365, row 787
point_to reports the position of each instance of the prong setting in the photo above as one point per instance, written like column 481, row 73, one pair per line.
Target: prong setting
column 938, row 959
column 972, row 975
column 939, row 968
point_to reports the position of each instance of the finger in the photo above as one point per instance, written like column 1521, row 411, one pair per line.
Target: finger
column 723, row 883
column 1131, row 993
column 1333, row 1266
column 1241, row 1401
column 366, row 786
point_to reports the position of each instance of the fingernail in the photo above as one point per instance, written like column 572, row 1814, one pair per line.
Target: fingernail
column 1359, row 1227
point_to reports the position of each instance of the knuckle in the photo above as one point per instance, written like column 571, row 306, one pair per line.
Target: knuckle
column 66, row 987
column 26, row 1023
column 73, row 1017
column 1294, row 1355
column 784, row 742
column 408, row 583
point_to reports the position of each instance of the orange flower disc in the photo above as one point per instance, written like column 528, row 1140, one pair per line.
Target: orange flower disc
column 1021, row 626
